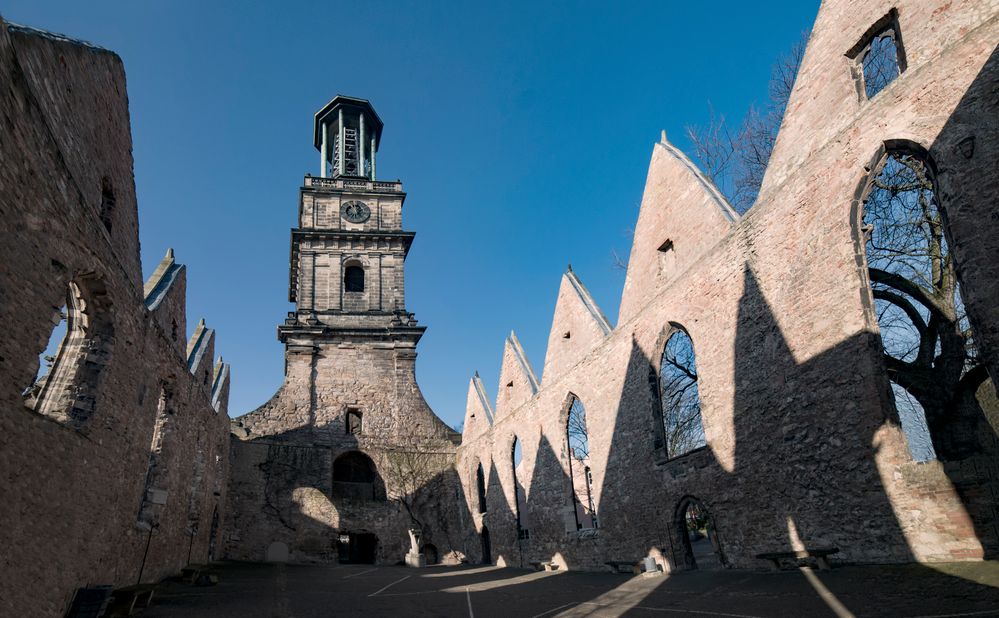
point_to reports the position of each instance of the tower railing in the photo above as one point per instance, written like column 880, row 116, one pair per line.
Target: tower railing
column 332, row 184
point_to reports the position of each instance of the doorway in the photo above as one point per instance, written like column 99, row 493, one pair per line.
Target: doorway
column 487, row 548
column 699, row 544
column 356, row 547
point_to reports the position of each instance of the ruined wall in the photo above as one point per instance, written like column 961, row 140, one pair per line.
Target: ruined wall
column 87, row 475
column 282, row 488
column 804, row 446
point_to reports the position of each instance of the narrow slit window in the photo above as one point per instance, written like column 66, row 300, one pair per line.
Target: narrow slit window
column 353, row 422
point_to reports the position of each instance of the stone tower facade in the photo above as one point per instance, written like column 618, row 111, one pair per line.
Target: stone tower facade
column 329, row 469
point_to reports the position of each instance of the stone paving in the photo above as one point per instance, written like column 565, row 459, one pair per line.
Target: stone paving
column 292, row 591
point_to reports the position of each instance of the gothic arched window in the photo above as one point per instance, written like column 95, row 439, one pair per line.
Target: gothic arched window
column 580, row 477
column 681, row 400
column 353, row 278
column 78, row 349
column 940, row 385
column 480, row 483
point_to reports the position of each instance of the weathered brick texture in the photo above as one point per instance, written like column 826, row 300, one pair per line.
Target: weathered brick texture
column 804, row 447
column 85, row 474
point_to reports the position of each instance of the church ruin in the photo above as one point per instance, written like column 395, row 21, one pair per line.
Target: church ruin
column 755, row 400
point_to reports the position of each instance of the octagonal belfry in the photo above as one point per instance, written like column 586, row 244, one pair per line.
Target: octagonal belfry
column 347, row 133
column 317, row 472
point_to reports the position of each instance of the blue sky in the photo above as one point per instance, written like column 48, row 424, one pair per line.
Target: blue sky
column 522, row 133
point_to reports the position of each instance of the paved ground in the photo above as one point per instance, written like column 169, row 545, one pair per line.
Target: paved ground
column 280, row 591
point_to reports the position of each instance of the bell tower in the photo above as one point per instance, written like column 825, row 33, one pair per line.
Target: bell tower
column 349, row 410
column 348, row 252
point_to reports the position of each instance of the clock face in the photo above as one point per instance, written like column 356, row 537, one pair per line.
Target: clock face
column 355, row 212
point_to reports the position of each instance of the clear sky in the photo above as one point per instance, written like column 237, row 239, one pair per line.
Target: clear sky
column 522, row 133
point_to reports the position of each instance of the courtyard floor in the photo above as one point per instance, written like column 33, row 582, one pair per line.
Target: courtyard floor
column 294, row 591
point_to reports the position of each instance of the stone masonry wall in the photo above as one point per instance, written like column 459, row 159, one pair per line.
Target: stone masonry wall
column 77, row 453
column 282, row 488
column 804, row 447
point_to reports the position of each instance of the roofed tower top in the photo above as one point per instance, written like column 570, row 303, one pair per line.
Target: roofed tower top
column 347, row 131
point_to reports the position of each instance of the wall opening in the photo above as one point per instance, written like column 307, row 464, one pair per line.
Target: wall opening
column 353, row 422
column 480, row 484
column 77, row 350
column 879, row 55
column 928, row 347
column 699, row 545
column 353, row 278
column 355, row 477
column 580, row 475
column 679, row 396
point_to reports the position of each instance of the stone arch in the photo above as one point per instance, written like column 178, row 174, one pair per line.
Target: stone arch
column 698, row 545
column 277, row 552
column 69, row 391
column 430, row 553
column 355, row 477
column 934, row 385
column 576, row 449
column 679, row 425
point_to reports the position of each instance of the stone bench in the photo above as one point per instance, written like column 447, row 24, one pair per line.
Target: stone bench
column 90, row 602
column 819, row 553
column 624, row 566
column 544, row 566
column 126, row 600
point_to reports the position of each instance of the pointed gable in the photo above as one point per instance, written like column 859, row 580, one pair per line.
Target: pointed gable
column 200, row 353
column 220, row 387
column 577, row 327
column 165, row 296
column 683, row 215
column 518, row 382
column 478, row 412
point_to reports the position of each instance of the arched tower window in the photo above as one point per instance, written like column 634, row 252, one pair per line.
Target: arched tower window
column 680, row 398
column 480, row 484
column 353, row 278
column 941, row 389
column 580, row 476
column 355, row 476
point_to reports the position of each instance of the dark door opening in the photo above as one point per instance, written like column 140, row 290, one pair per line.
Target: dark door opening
column 487, row 548
column 356, row 547
column 698, row 538
column 429, row 552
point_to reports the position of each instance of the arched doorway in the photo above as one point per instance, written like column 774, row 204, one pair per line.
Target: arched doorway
column 429, row 552
column 487, row 548
column 699, row 546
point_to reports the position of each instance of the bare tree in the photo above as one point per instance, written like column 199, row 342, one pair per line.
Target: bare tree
column 929, row 348
column 736, row 161
column 410, row 476
column 578, row 440
column 680, row 398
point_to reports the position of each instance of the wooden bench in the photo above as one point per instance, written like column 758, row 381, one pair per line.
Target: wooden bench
column 544, row 566
column 624, row 566
column 819, row 553
column 125, row 600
